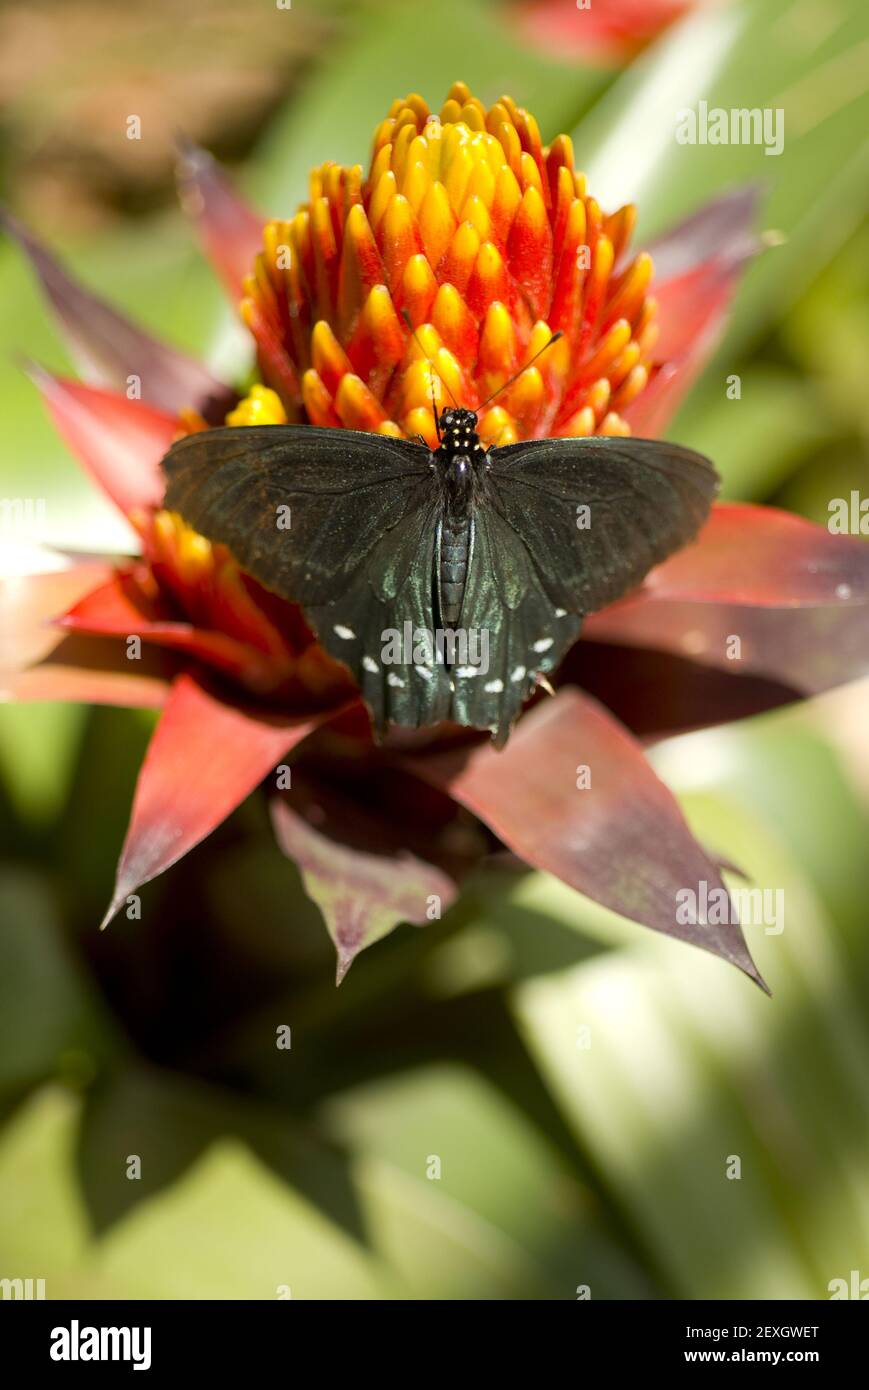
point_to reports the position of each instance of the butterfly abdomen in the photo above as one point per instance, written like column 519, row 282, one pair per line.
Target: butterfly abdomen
column 460, row 457
column 455, row 550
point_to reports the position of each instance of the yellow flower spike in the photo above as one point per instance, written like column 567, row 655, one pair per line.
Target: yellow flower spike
column 633, row 384
column 450, row 373
column 529, row 174
column 540, row 335
column 595, row 287
column 611, row 347
column 165, row 526
column 461, row 254
column 511, row 145
column 457, row 175
column 328, row 358
column 454, row 322
column 481, row 186
column 260, row 406
column 384, row 192
column 497, row 345
column 402, row 141
column 190, row 421
column 488, row 280
column 620, row 226
column 356, row 407
column 594, row 217
column 474, row 115
column 451, row 111
column 627, row 301
column 582, row 424
column 624, row 364
column 529, row 250
column 276, row 235
column 525, row 396
column 437, row 223
column 384, row 329
column 263, row 288
column 561, row 153
column 505, row 201
column 318, row 402
column 186, row 554
column 415, row 184
column 497, row 428
column 419, row 105
column 398, row 238
column 599, row 397
column 382, row 164
column 418, row 289
column 647, row 338
column 421, row 385
column 614, row 424
column 424, row 345
column 476, row 212
column 489, row 242
column 420, row 421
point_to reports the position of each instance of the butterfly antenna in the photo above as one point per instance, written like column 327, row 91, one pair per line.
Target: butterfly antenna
column 433, row 372
column 524, row 367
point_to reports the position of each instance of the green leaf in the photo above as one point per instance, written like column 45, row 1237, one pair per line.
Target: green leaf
column 685, row 1070
column 757, row 441
column 49, row 1023
column 778, row 56
column 168, row 1122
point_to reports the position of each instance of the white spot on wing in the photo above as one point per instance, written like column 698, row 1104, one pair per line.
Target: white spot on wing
column 519, row 674
column 395, row 681
column 369, row 664
column 561, row 612
column 346, row 633
column 543, row 644
column 467, row 671
column 494, row 687
column 424, row 671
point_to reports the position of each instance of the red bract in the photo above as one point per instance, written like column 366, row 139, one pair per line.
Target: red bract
column 465, row 222
column 605, row 31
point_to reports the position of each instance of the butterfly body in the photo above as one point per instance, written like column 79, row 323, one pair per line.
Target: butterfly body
column 460, row 461
column 448, row 580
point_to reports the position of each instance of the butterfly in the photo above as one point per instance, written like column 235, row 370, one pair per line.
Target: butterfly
column 450, row 580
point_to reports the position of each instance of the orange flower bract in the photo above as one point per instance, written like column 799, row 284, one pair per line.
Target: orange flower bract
column 487, row 242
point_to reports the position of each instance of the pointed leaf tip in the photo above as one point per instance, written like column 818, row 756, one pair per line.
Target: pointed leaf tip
column 108, row 349
column 205, row 757
column 120, row 441
column 230, row 231
column 616, row 833
column 363, row 894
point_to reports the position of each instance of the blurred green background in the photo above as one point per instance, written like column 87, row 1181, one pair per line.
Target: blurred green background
column 583, row 1084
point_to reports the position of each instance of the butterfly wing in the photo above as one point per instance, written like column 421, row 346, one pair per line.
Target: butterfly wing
column 566, row 526
column 339, row 521
column 519, row 631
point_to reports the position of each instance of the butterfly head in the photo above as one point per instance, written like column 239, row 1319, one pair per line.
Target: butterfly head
column 458, row 431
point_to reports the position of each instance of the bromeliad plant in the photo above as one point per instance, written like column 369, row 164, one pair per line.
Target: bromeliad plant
column 450, row 263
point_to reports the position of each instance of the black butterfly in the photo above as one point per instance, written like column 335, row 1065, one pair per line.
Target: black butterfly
column 505, row 548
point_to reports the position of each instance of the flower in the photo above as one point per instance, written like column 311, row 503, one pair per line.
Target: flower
column 489, row 244
column 603, row 31
column 467, row 224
